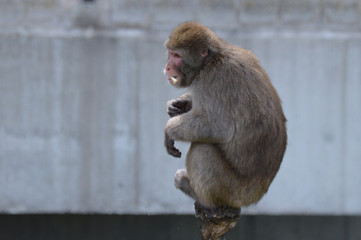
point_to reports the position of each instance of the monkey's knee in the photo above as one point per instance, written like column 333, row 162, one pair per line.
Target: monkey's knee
column 182, row 182
column 181, row 178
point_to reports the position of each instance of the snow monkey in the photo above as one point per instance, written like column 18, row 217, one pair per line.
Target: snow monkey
column 232, row 116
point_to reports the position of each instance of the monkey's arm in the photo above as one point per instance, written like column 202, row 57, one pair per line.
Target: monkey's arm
column 179, row 105
column 194, row 127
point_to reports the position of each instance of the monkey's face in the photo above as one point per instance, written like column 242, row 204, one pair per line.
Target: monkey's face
column 180, row 69
column 173, row 68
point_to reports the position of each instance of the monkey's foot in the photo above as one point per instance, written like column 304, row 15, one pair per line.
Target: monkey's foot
column 215, row 222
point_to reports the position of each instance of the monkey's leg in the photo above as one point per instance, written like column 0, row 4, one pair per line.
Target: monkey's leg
column 181, row 181
column 214, row 183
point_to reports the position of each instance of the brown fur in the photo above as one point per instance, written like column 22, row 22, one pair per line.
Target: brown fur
column 233, row 117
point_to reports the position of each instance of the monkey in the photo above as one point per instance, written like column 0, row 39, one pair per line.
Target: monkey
column 232, row 116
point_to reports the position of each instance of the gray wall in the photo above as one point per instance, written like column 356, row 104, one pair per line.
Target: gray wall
column 82, row 102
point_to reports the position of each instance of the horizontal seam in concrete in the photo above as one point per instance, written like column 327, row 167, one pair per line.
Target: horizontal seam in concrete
column 138, row 33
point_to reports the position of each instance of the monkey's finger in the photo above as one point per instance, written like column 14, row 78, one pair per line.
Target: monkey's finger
column 173, row 111
column 180, row 103
column 174, row 152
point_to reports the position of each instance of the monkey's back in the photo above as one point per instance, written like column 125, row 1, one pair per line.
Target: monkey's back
column 245, row 101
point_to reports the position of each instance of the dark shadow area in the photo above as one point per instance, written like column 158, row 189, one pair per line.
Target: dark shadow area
column 168, row 227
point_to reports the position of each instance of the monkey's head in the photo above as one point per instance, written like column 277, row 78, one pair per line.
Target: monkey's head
column 189, row 45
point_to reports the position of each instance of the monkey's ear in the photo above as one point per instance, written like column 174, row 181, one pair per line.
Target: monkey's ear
column 205, row 53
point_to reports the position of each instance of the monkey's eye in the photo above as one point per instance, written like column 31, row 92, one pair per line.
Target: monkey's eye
column 175, row 55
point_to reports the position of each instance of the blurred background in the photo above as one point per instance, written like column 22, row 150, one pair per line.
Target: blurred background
column 83, row 106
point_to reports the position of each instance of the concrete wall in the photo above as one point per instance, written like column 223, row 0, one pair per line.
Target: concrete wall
column 82, row 102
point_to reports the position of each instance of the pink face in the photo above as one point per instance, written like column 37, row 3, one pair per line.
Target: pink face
column 171, row 70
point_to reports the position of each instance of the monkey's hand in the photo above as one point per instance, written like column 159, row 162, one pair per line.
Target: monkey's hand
column 178, row 106
column 169, row 145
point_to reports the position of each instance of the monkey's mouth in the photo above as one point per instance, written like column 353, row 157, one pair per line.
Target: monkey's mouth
column 173, row 79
